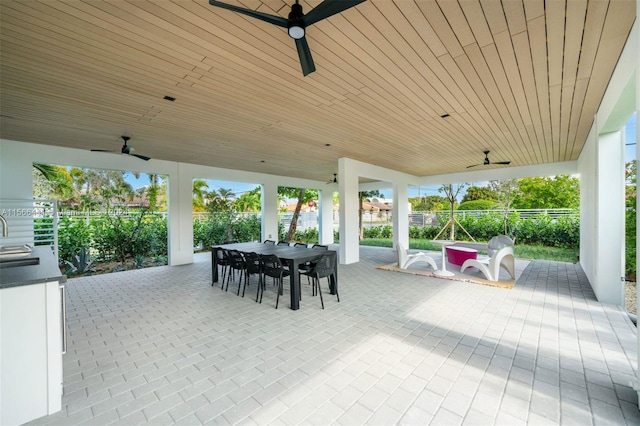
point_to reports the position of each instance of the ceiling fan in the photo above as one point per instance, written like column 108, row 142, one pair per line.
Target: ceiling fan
column 334, row 180
column 297, row 22
column 488, row 162
column 126, row 149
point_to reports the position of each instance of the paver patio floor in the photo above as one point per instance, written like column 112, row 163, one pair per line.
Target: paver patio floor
column 161, row 346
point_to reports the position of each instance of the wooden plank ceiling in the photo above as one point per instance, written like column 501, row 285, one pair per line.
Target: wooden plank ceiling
column 522, row 79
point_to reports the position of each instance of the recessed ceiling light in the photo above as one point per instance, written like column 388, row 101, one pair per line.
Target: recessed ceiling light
column 445, row 116
column 169, row 98
column 327, row 144
column 262, row 161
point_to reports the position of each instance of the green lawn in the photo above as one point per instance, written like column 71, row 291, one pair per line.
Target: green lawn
column 521, row 251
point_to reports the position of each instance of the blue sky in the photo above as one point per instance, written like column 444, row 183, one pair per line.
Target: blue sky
column 238, row 187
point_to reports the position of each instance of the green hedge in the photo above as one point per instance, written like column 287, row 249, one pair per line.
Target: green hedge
column 104, row 237
column 218, row 228
column 536, row 230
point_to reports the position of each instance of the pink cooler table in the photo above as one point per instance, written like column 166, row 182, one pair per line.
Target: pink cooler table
column 457, row 255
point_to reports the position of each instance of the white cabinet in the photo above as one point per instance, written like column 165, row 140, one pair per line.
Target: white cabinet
column 30, row 352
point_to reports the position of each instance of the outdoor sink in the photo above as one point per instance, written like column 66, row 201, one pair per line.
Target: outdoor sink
column 22, row 248
column 11, row 262
column 11, row 252
column 20, row 255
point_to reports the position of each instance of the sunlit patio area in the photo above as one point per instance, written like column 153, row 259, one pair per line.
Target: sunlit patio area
column 162, row 346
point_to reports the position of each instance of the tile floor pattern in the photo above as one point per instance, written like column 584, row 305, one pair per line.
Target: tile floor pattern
column 161, row 346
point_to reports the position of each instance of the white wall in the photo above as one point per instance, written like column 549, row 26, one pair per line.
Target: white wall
column 601, row 168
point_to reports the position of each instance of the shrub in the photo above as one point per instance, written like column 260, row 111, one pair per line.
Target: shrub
column 73, row 234
column 630, row 243
column 246, row 228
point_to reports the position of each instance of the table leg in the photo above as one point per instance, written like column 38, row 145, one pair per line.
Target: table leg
column 295, row 285
column 443, row 272
column 333, row 286
column 214, row 270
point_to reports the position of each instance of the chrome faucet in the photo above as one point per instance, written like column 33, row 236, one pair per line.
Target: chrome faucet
column 5, row 228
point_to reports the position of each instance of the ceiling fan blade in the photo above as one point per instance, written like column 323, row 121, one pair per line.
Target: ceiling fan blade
column 272, row 19
column 501, row 162
column 102, row 150
column 305, row 56
column 328, row 8
column 142, row 157
column 475, row 165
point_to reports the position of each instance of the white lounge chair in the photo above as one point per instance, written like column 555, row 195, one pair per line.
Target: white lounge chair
column 497, row 242
column 490, row 267
column 405, row 259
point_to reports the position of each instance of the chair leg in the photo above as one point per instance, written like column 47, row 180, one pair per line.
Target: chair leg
column 240, row 283
column 244, row 287
column 225, row 271
column 279, row 289
column 317, row 280
column 229, row 272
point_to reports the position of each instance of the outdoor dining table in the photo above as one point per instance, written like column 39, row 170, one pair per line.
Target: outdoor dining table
column 288, row 255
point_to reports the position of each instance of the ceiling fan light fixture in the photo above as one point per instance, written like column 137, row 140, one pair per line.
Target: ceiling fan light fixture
column 296, row 30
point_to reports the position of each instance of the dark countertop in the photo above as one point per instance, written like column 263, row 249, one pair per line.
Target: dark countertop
column 47, row 270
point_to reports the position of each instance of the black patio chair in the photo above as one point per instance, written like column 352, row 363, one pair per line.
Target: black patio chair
column 324, row 268
column 269, row 242
column 272, row 267
column 236, row 263
column 307, row 266
column 253, row 266
column 222, row 259
column 283, row 243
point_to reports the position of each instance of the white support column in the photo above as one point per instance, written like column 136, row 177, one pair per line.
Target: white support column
column 269, row 211
column 400, row 214
column 609, row 284
column 325, row 211
column 180, row 188
column 349, row 205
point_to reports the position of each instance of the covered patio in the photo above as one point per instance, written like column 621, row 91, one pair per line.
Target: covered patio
column 161, row 346
column 407, row 94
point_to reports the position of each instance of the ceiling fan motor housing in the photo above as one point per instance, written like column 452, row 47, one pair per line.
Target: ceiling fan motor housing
column 296, row 26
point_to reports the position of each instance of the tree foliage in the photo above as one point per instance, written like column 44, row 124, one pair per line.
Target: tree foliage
column 475, row 193
column 506, row 192
column 478, row 205
column 630, row 218
column 451, row 192
column 250, row 201
column 52, row 181
column 303, row 196
column 198, row 192
column 427, row 203
column 220, row 200
column 562, row 191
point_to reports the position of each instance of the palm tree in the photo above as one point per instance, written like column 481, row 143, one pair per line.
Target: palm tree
column 220, row 200
column 199, row 193
column 59, row 182
column 249, row 201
